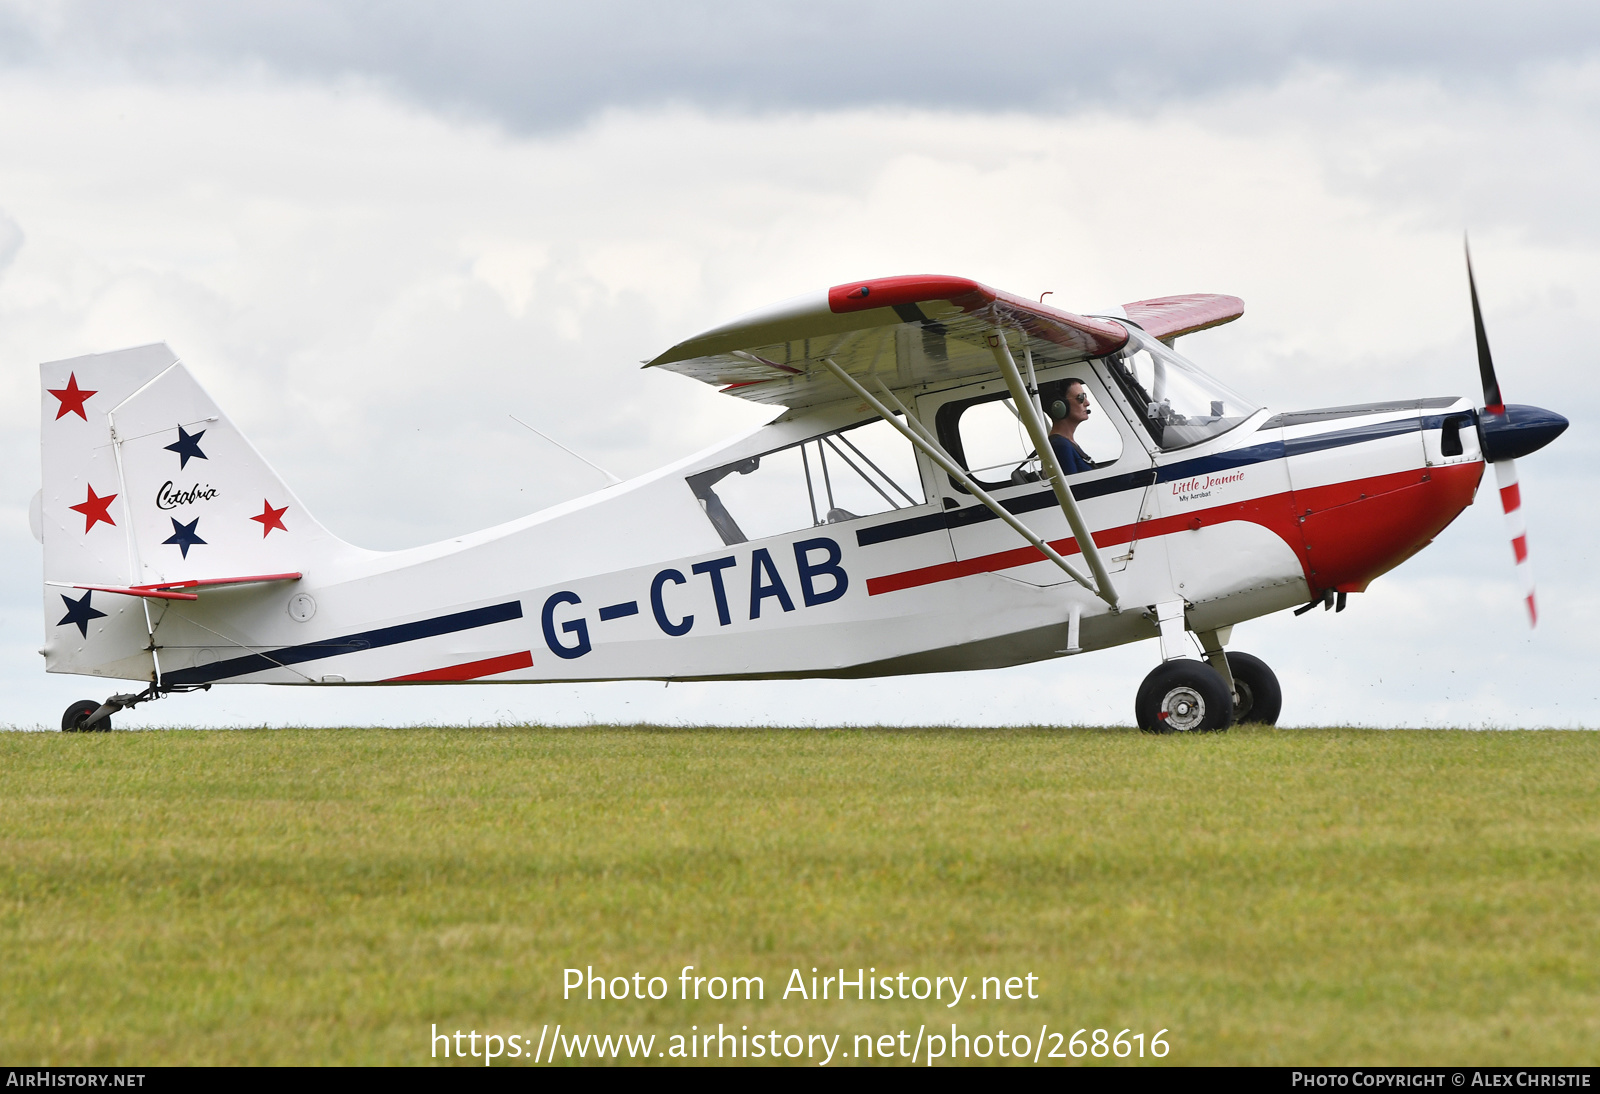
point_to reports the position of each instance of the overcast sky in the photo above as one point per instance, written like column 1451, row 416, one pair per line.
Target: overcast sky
column 373, row 230
column 539, row 67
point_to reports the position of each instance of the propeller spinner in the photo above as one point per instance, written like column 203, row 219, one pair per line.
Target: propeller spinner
column 1506, row 432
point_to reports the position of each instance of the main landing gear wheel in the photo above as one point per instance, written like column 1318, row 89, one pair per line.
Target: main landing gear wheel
column 1183, row 696
column 72, row 721
column 1257, row 696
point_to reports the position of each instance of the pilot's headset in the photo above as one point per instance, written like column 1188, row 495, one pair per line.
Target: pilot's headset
column 1055, row 400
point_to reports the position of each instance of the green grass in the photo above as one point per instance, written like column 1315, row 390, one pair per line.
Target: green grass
column 1274, row 897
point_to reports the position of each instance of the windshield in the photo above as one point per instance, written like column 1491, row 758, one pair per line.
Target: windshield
column 1180, row 404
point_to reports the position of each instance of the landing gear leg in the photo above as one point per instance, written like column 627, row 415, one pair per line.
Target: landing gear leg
column 1256, row 695
column 1212, row 642
column 88, row 716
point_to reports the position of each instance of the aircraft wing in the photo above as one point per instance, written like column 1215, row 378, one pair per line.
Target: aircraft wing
column 903, row 330
column 1172, row 316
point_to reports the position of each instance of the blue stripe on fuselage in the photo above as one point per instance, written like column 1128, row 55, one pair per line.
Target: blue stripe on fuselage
column 1172, row 472
column 350, row 643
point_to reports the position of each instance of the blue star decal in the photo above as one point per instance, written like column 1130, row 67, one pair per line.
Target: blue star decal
column 80, row 612
column 187, row 448
column 184, row 535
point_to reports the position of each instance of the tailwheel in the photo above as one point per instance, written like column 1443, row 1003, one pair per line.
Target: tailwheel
column 78, row 713
column 1183, row 696
column 1257, row 696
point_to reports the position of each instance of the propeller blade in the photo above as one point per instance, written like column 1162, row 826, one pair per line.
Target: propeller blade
column 1492, row 402
column 1505, row 477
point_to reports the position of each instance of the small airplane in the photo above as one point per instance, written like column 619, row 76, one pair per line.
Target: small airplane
column 907, row 511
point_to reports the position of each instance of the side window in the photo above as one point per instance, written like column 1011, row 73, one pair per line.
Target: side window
column 988, row 438
column 854, row 472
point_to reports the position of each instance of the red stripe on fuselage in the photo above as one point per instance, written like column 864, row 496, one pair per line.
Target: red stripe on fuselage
column 471, row 670
column 1366, row 534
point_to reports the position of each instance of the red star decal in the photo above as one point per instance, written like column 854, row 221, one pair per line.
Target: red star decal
column 72, row 398
column 270, row 518
column 94, row 510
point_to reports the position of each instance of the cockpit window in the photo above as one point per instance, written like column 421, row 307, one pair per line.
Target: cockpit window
column 1179, row 404
column 987, row 437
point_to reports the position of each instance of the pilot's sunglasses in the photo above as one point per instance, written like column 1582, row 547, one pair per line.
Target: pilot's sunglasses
column 1082, row 398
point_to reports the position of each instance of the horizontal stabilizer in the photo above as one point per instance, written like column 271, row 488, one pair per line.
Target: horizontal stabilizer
column 127, row 590
column 222, row 582
column 170, row 590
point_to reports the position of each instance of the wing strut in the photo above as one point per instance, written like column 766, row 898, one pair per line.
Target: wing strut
column 1028, row 410
column 915, row 432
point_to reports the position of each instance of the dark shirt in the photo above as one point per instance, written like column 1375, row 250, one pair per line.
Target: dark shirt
column 1069, row 455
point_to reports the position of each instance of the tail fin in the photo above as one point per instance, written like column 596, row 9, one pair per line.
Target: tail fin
column 146, row 481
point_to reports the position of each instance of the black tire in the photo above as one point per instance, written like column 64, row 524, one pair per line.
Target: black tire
column 1183, row 696
column 1257, row 697
column 72, row 720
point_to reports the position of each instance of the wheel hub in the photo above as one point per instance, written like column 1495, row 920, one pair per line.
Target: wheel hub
column 1183, row 709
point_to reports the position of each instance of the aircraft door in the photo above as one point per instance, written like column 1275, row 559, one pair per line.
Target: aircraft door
column 979, row 427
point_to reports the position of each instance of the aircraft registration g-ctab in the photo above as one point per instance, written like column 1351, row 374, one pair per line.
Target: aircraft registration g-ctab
column 959, row 478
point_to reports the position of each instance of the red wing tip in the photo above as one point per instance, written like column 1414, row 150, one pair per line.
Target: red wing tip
column 886, row 292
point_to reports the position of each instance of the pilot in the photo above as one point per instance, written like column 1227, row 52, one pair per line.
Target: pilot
column 1068, row 407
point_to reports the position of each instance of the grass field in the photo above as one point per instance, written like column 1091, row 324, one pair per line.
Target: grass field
column 1267, row 896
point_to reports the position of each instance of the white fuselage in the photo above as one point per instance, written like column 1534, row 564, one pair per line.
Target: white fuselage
column 637, row 582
